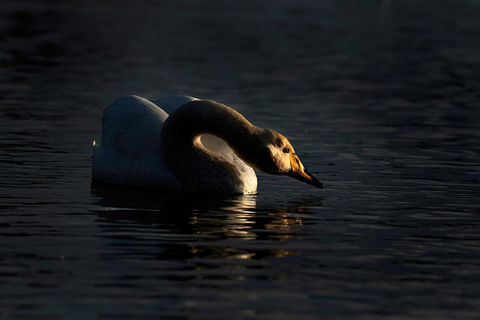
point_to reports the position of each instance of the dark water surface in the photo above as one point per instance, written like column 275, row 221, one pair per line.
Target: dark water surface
column 380, row 99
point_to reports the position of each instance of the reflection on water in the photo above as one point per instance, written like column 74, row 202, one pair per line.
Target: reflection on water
column 214, row 222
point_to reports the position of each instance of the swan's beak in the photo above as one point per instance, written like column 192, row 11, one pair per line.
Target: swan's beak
column 300, row 173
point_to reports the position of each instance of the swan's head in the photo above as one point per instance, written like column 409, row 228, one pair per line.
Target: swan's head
column 275, row 155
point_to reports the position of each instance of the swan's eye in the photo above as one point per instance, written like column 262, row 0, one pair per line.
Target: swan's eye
column 286, row 150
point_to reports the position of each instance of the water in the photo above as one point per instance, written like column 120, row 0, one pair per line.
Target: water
column 379, row 98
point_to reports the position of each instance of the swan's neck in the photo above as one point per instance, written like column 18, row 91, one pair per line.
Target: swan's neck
column 196, row 167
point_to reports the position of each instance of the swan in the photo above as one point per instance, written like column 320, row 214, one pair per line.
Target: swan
column 202, row 146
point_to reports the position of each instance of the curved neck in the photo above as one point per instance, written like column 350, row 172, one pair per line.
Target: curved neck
column 196, row 167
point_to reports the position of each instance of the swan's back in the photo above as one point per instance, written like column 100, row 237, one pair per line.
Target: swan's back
column 171, row 103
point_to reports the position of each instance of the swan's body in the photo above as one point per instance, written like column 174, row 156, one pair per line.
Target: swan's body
column 143, row 146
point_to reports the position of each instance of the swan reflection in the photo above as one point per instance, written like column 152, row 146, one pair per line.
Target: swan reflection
column 191, row 226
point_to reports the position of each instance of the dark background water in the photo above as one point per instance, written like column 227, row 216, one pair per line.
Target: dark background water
column 380, row 99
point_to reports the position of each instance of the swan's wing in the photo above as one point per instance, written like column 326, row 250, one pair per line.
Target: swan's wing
column 131, row 120
column 129, row 153
column 170, row 103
